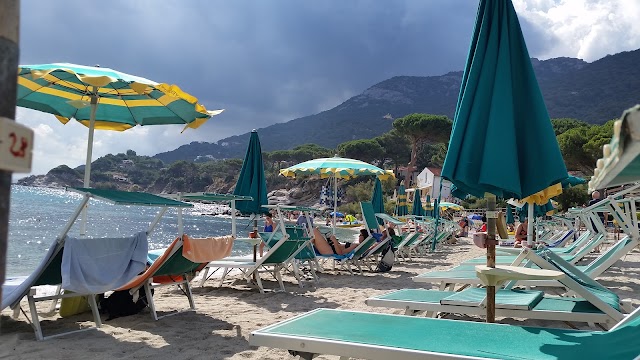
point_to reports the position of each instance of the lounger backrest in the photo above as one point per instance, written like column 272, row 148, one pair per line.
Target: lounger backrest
column 576, row 275
column 51, row 274
column 298, row 232
column 369, row 216
column 363, row 247
column 588, row 247
column 287, row 248
column 176, row 264
column 615, row 251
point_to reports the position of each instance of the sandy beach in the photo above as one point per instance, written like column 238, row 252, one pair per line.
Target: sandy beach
column 225, row 317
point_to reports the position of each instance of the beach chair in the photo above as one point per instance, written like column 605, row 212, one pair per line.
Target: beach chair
column 465, row 274
column 305, row 255
column 595, row 304
column 404, row 247
column 172, row 267
column 384, row 336
column 281, row 253
column 566, row 235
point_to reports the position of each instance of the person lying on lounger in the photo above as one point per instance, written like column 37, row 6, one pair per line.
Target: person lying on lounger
column 329, row 244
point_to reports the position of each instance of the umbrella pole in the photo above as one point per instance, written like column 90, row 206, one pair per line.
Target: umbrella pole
column 335, row 201
column 87, row 168
column 531, row 218
column 492, row 214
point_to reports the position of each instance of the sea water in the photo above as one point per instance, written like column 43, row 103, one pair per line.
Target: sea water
column 38, row 216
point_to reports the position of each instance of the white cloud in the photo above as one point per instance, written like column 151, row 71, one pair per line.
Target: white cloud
column 587, row 30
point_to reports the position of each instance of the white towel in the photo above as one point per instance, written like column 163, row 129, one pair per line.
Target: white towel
column 96, row 265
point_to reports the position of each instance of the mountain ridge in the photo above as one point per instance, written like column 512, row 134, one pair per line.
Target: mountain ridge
column 572, row 88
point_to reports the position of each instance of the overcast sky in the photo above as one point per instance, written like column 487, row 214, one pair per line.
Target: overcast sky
column 273, row 61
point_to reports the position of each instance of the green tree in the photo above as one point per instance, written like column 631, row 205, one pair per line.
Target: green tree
column 366, row 150
column 420, row 129
column 571, row 144
column 563, row 124
column 573, row 197
column 597, row 137
column 397, row 148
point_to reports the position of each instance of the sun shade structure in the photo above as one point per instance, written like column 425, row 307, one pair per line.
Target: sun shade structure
column 338, row 168
column 377, row 199
column 118, row 197
column 105, row 99
column 252, row 181
column 502, row 141
column 213, row 197
column 417, row 209
column 401, row 202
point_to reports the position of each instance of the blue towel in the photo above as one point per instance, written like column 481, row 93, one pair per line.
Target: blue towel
column 96, row 265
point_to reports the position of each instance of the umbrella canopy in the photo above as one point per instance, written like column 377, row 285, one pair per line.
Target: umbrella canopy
column 377, row 200
column 474, row 217
column 401, row 205
column 449, row 205
column 417, row 210
column 502, row 141
column 105, row 99
column 572, row 181
column 336, row 213
column 338, row 168
column 252, row 181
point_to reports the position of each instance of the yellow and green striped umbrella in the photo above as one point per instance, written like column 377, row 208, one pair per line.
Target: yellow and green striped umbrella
column 105, row 99
column 401, row 205
column 336, row 167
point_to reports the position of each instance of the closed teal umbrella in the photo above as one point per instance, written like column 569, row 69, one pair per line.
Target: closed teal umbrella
column 252, row 181
column 502, row 141
column 428, row 207
column 510, row 219
column 377, row 199
column 401, row 202
column 417, row 204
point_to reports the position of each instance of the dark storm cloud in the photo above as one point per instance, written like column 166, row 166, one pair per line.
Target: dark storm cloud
column 265, row 62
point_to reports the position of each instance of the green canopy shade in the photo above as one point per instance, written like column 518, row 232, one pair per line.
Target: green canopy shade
column 417, row 209
column 502, row 141
column 401, row 202
column 538, row 210
column 252, row 181
column 510, row 219
column 119, row 197
column 377, row 199
column 572, row 181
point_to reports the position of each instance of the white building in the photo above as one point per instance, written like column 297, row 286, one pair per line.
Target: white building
column 428, row 181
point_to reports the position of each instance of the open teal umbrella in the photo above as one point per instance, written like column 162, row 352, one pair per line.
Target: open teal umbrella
column 417, row 209
column 572, row 181
column 377, row 200
column 502, row 141
column 401, row 202
column 252, row 181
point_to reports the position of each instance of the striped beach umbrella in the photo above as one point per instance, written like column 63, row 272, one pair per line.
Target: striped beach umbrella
column 401, row 202
column 338, row 168
column 105, row 99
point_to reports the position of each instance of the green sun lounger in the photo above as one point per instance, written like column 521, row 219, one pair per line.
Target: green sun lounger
column 384, row 336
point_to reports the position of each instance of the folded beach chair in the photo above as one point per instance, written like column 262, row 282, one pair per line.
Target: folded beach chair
column 383, row 336
column 278, row 256
column 176, row 265
column 595, row 304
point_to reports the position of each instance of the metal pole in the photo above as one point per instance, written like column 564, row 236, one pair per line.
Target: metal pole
column 9, row 52
column 87, row 167
column 180, row 224
column 335, row 201
column 491, row 254
column 233, row 219
column 530, row 219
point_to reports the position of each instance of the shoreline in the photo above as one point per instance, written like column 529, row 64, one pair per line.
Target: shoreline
column 224, row 317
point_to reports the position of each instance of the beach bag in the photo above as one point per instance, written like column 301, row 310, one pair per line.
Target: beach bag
column 388, row 257
column 121, row 303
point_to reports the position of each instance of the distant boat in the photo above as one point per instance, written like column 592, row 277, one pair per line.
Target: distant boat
column 349, row 225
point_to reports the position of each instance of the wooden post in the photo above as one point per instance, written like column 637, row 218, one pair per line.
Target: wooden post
column 492, row 215
column 9, row 51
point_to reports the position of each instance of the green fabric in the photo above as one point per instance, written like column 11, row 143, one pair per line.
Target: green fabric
column 567, row 304
column 51, row 95
column 416, row 295
column 510, row 219
column 572, row 181
column 369, row 215
column 506, row 299
column 501, row 132
column 176, row 265
column 344, row 168
column 132, row 198
column 377, row 201
column 612, row 251
column 215, row 197
column 417, row 208
column 390, row 219
column 252, row 181
column 51, row 275
column 538, row 210
column 284, row 251
column 401, row 202
column 466, row 338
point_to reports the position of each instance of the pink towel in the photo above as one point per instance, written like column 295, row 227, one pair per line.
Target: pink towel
column 207, row 249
